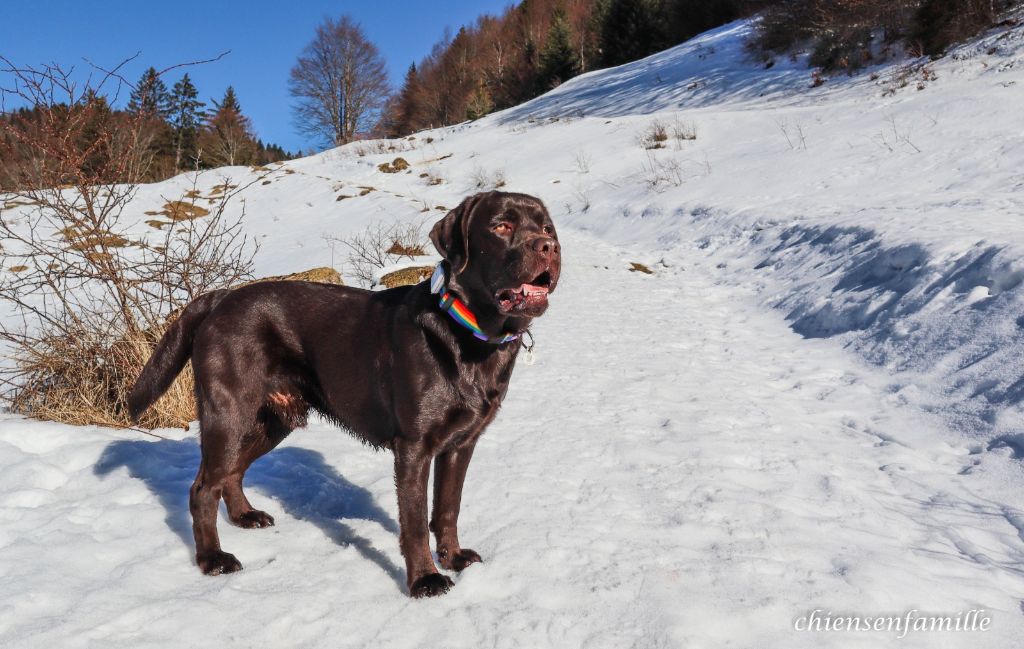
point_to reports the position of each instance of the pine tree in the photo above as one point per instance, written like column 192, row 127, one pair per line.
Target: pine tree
column 228, row 102
column 97, row 123
column 632, row 29
column 407, row 119
column 150, row 96
column 227, row 138
column 559, row 61
column 185, row 117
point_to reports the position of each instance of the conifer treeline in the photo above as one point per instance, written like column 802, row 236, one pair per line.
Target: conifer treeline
column 501, row 61
column 188, row 135
column 183, row 134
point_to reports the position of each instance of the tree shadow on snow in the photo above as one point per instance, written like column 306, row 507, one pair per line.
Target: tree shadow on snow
column 299, row 479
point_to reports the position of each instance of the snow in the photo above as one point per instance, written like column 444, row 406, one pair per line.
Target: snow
column 813, row 402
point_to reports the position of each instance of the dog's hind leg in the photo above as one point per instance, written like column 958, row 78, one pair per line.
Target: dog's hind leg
column 204, row 498
column 266, row 435
column 226, row 453
column 240, row 510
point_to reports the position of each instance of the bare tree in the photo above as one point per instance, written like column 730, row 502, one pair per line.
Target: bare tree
column 340, row 83
column 91, row 294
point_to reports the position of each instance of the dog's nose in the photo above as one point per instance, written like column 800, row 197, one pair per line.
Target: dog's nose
column 545, row 246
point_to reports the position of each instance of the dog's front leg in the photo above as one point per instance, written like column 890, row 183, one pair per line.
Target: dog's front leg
column 412, row 469
column 449, row 476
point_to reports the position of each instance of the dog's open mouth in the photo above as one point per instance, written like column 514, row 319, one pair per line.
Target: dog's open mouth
column 528, row 295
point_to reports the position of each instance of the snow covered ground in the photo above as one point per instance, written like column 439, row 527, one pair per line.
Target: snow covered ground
column 812, row 403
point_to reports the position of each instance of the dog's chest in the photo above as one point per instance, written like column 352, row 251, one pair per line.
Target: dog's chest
column 477, row 395
column 477, row 386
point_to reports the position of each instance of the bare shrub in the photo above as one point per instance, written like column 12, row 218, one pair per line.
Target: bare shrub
column 654, row 136
column 432, row 177
column 848, row 34
column 379, row 147
column 840, row 32
column 895, row 138
column 483, row 179
column 583, row 161
column 916, row 73
column 582, row 197
column 941, row 23
column 93, row 297
column 794, row 135
column 379, row 246
column 682, row 132
column 660, row 173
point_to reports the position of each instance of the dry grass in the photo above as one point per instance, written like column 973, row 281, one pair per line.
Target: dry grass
column 84, row 241
column 182, row 211
column 80, row 380
column 84, row 381
column 322, row 274
column 218, row 190
column 405, row 249
column 407, row 276
column 393, row 167
column 432, row 177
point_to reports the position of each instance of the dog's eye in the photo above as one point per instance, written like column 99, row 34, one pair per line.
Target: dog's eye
column 502, row 228
column 548, row 229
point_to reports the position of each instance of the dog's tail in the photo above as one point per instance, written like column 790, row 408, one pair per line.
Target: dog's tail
column 171, row 354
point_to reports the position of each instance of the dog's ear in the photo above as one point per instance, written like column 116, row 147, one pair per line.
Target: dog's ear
column 451, row 234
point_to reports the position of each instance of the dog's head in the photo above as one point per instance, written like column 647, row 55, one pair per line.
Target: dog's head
column 503, row 254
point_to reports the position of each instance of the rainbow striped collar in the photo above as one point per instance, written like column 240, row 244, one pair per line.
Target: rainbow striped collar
column 459, row 312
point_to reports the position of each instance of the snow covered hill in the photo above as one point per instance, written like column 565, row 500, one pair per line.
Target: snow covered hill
column 812, row 402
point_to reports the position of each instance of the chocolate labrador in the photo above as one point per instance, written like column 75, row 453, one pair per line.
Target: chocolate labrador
column 420, row 369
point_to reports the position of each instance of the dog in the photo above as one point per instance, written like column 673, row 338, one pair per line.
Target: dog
column 421, row 370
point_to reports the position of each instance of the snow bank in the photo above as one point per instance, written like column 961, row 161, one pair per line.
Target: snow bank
column 812, row 402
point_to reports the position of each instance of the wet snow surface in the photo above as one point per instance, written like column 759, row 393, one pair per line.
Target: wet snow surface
column 813, row 402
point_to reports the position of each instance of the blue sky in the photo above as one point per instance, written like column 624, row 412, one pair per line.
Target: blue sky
column 264, row 37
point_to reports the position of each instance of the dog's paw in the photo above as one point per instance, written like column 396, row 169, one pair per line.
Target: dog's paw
column 431, row 585
column 458, row 561
column 218, row 563
column 254, row 519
